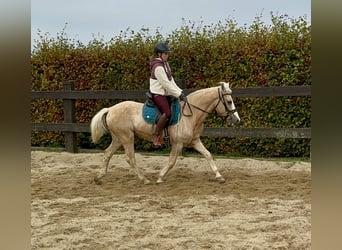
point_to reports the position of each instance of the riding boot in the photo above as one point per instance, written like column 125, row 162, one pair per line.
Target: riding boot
column 158, row 131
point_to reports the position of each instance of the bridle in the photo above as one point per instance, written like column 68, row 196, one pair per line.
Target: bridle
column 221, row 99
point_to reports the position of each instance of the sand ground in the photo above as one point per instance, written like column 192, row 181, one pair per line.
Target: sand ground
column 263, row 204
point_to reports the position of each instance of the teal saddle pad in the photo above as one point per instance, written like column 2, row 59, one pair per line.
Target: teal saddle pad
column 151, row 113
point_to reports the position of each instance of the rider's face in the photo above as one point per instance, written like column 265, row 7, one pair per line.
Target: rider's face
column 164, row 56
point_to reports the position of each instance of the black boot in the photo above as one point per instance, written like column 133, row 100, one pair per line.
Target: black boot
column 158, row 131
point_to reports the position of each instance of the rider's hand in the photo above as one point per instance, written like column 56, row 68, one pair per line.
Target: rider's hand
column 182, row 97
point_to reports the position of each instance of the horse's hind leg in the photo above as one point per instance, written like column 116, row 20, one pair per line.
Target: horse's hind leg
column 129, row 150
column 198, row 145
column 108, row 153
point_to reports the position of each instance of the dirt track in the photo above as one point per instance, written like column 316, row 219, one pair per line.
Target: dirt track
column 262, row 204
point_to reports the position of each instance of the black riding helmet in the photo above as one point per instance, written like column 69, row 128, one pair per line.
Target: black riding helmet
column 161, row 48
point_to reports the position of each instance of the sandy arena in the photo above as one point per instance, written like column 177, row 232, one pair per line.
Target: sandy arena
column 263, row 204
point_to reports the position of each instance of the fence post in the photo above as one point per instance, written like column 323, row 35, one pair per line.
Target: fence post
column 70, row 140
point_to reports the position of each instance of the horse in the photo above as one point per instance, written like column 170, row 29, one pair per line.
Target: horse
column 124, row 121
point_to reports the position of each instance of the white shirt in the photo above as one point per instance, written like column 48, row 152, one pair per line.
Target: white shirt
column 162, row 85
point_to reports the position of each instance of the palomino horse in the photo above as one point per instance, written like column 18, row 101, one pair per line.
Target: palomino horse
column 124, row 120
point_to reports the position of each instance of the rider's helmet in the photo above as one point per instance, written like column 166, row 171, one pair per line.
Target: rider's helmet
column 161, row 48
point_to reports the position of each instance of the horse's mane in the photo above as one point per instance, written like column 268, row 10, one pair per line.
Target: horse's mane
column 204, row 92
column 201, row 91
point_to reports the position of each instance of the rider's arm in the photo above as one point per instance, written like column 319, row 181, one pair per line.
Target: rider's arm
column 170, row 86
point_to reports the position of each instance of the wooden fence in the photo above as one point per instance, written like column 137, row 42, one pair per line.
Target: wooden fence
column 71, row 128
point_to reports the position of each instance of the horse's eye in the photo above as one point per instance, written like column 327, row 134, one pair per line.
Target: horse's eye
column 229, row 102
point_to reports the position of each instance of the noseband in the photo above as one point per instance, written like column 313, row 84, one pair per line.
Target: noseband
column 221, row 95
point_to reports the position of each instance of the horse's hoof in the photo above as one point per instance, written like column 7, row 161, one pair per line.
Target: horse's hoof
column 220, row 179
column 159, row 181
column 146, row 182
column 97, row 181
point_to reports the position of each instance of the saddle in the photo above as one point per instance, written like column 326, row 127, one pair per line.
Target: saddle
column 151, row 113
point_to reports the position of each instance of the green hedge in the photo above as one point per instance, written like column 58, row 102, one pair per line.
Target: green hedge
column 202, row 55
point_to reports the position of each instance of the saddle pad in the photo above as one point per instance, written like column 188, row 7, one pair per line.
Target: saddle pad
column 150, row 114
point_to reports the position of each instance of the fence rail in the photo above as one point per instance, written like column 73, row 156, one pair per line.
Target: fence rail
column 140, row 94
column 71, row 128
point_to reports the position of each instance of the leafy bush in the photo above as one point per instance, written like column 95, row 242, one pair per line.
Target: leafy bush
column 202, row 55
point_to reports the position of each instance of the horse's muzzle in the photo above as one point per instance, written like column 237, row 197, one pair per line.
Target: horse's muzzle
column 233, row 119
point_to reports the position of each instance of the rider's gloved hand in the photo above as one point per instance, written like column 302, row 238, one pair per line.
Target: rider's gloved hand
column 182, row 97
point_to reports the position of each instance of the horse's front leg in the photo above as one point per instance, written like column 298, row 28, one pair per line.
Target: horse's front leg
column 175, row 150
column 198, row 145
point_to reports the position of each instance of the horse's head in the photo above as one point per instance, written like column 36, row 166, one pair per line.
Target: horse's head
column 226, row 105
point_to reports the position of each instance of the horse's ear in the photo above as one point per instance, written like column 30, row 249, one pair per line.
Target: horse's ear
column 222, row 85
column 225, row 85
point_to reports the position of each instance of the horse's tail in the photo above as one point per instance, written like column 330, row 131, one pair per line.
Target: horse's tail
column 98, row 126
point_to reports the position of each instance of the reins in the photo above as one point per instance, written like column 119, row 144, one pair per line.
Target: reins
column 189, row 106
column 220, row 99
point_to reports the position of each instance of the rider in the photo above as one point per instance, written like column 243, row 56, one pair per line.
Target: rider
column 162, row 85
